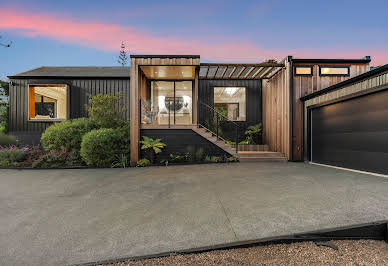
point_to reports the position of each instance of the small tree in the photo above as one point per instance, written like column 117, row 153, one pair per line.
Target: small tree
column 105, row 110
column 153, row 145
column 123, row 58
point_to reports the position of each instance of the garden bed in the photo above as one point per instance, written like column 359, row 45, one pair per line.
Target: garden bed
column 350, row 252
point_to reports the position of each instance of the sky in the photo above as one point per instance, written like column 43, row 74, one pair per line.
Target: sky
column 89, row 33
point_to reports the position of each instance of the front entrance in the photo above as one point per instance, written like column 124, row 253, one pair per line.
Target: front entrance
column 172, row 102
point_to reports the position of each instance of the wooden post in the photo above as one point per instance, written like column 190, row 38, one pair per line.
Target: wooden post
column 134, row 112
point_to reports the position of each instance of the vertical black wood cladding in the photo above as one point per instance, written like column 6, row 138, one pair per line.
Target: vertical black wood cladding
column 80, row 89
column 253, row 102
column 178, row 140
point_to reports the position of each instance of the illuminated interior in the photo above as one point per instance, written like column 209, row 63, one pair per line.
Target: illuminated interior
column 171, row 103
column 303, row 71
column 334, row 71
column 231, row 102
column 47, row 102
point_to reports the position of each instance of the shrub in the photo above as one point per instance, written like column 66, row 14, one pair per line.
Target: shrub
column 121, row 161
column 232, row 159
column 190, row 154
column 6, row 140
column 199, row 154
column 143, row 162
column 53, row 159
column 100, row 146
column 32, row 155
column 176, row 158
column 12, row 156
column 66, row 135
column 215, row 159
column 253, row 134
column 4, row 117
column 105, row 111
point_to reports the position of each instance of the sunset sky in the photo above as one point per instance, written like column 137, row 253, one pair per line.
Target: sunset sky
column 77, row 33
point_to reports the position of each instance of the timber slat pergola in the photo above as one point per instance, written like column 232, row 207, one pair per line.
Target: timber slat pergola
column 238, row 71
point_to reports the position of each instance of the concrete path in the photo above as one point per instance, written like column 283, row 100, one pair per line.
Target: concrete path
column 55, row 217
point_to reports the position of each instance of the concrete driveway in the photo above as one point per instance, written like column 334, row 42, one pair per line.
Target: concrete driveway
column 76, row 216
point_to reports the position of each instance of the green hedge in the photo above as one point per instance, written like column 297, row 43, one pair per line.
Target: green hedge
column 100, row 147
column 66, row 135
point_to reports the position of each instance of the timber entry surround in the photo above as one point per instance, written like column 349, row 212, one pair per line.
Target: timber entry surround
column 171, row 80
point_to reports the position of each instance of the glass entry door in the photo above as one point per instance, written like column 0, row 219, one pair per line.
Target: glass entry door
column 172, row 102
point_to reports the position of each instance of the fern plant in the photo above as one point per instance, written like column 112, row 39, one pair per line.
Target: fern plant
column 253, row 133
column 154, row 146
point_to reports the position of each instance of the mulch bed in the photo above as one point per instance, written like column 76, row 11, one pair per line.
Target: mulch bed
column 350, row 252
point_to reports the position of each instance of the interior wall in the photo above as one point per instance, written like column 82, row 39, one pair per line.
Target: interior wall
column 276, row 112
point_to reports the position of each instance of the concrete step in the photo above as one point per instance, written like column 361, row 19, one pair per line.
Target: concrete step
column 262, row 159
column 260, row 154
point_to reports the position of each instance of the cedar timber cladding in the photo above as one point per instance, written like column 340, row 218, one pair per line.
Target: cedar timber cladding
column 138, row 85
column 303, row 85
column 276, row 111
column 79, row 89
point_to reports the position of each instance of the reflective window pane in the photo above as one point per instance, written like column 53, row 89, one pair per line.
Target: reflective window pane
column 334, row 71
column 47, row 102
column 231, row 102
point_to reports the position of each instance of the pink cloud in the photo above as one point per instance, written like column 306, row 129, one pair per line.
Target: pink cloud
column 109, row 36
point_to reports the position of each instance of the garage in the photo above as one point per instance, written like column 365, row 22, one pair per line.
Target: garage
column 349, row 130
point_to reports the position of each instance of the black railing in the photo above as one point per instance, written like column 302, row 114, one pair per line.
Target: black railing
column 213, row 120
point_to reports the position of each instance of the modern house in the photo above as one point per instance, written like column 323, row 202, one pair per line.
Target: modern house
column 181, row 100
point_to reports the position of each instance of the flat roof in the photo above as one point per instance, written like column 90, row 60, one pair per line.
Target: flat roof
column 163, row 56
column 76, row 72
column 364, row 60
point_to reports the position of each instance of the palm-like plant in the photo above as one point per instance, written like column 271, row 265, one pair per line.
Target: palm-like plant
column 253, row 133
column 153, row 145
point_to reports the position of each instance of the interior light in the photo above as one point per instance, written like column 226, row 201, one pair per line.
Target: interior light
column 231, row 91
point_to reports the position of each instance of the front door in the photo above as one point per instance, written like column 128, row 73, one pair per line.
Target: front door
column 172, row 102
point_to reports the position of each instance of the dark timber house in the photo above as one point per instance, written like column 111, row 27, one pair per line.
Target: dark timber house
column 180, row 99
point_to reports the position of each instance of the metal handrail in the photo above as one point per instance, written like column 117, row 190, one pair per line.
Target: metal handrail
column 214, row 110
column 217, row 124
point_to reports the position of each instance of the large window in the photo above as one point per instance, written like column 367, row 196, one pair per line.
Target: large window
column 47, row 102
column 231, row 102
column 171, row 103
column 334, row 70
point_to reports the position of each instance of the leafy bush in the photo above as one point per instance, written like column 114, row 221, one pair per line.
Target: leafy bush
column 176, row 158
column 6, row 140
column 243, row 142
column 4, row 114
column 105, row 111
column 215, row 159
column 121, row 161
column 232, row 159
column 66, row 135
column 33, row 154
column 190, row 154
column 143, row 162
column 12, row 156
column 100, row 146
column 253, row 133
column 53, row 159
column 199, row 154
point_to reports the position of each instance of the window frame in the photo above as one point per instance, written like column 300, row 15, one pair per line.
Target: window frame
column 334, row 75
column 48, row 119
column 304, row 66
column 245, row 98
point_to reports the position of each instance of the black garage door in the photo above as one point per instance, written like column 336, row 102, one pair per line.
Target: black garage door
column 352, row 134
